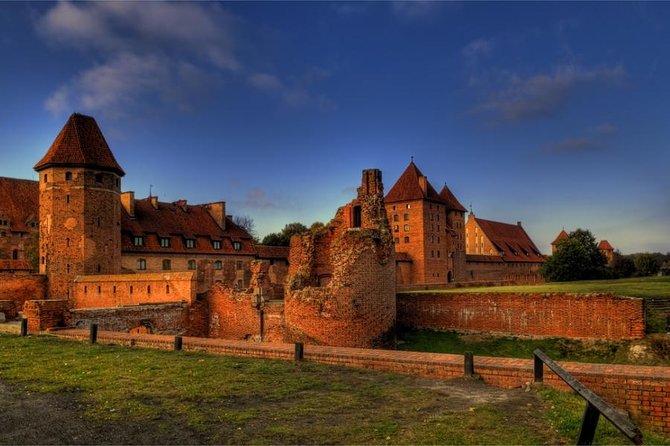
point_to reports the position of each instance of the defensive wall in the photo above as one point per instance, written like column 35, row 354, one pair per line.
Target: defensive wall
column 586, row 316
column 643, row 391
column 20, row 287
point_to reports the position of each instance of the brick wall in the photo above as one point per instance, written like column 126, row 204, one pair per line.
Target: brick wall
column 20, row 287
column 133, row 289
column 170, row 318
column 8, row 307
column 597, row 316
column 44, row 314
column 640, row 390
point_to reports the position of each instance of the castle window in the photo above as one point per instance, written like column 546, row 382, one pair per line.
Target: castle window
column 237, row 246
column 395, row 217
column 438, row 253
column 405, row 217
column 167, row 264
column 191, row 264
column 431, row 217
column 167, row 289
column 406, row 228
column 406, row 240
column 438, row 217
column 216, row 244
column 432, row 253
column 138, row 240
column 114, row 289
column 395, row 228
column 99, row 289
column 357, row 217
column 396, row 240
column 68, row 176
column 165, row 242
column 190, row 243
column 218, row 264
column 43, row 260
column 238, row 265
column 68, row 267
column 67, row 199
column 45, row 177
column 438, row 240
column 98, row 178
column 131, row 289
column 141, row 264
column 393, row 207
column 409, row 206
column 148, row 289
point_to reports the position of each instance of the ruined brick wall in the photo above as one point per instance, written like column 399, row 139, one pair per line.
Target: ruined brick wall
column 172, row 318
column 341, row 284
column 234, row 314
column 20, row 287
column 43, row 314
column 133, row 289
column 8, row 309
column 594, row 316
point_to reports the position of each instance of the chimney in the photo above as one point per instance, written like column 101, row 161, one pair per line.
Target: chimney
column 518, row 223
column 218, row 212
column 423, row 184
column 154, row 202
column 182, row 204
column 128, row 202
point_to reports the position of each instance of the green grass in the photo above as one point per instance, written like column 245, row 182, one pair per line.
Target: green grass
column 566, row 409
column 635, row 287
column 241, row 401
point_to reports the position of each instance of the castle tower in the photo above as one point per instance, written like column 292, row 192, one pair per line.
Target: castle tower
column 79, row 206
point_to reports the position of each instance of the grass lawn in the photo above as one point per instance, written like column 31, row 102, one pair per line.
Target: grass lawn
column 634, row 287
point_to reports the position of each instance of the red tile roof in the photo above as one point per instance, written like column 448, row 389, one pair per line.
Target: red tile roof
column 511, row 240
column 451, row 200
column 19, row 201
column 407, row 187
column 604, row 245
column 272, row 252
column 180, row 222
column 80, row 144
column 483, row 258
column 561, row 236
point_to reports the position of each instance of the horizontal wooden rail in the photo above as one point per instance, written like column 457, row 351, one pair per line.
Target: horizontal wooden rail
column 595, row 404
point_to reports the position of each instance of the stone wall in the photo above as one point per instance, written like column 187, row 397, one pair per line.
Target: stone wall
column 168, row 318
column 44, row 314
column 133, row 289
column 20, row 287
column 590, row 316
column 8, row 310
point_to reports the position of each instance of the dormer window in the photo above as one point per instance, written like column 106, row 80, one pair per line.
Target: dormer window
column 190, row 243
column 98, row 178
column 237, row 246
column 216, row 244
column 165, row 242
column 138, row 240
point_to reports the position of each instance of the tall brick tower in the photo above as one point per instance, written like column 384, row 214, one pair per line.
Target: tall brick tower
column 80, row 210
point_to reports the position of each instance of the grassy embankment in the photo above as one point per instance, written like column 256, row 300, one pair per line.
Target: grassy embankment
column 218, row 399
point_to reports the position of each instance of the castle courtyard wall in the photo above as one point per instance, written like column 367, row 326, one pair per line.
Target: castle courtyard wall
column 20, row 287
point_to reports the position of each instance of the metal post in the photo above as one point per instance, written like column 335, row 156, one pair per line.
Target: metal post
column 469, row 364
column 299, row 351
column 24, row 327
column 539, row 369
column 93, row 334
column 589, row 425
column 177, row 342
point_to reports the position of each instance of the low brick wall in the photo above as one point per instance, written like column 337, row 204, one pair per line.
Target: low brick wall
column 587, row 316
column 20, row 287
column 43, row 314
column 166, row 318
column 8, row 307
column 642, row 391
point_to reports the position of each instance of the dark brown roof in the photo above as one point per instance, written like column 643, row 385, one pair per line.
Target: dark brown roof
column 483, row 258
column 179, row 222
column 605, row 246
column 511, row 240
column 272, row 252
column 451, row 200
column 561, row 236
column 407, row 187
column 19, row 201
column 80, row 144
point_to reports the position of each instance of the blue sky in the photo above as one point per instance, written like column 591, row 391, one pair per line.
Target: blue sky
column 554, row 114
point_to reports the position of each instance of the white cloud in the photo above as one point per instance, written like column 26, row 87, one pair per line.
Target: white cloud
column 296, row 91
column 265, row 81
column 477, row 48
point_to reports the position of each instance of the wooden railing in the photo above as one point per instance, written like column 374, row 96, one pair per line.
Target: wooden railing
column 595, row 406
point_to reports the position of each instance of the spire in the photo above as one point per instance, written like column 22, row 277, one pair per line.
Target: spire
column 409, row 187
column 80, row 144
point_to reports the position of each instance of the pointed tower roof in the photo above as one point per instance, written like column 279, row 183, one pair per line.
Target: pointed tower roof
column 80, row 144
column 561, row 236
column 604, row 245
column 451, row 200
column 408, row 187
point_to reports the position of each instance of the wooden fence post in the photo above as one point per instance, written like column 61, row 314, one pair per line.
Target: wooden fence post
column 93, row 333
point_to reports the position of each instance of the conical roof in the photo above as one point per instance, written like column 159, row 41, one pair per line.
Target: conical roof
column 80, row 144
column 408, row 188
column 605, row 246
column 561, row 236
column 451, row 200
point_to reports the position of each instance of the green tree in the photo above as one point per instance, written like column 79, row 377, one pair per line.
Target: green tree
column 576, row 258
column 647, row 264
column 33, row 250
column 622, row 266
column 283, row 238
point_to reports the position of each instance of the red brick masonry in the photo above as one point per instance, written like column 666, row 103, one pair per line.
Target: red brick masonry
column 643, row 391
column 595, row 316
